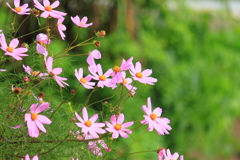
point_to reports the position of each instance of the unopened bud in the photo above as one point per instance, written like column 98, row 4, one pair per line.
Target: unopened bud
column 73, row 119
column 97, row 43
column 73, row 91
column 105, row 102
column 41, row 95
column 132, row 94
column 101, row 33
column 25, row 79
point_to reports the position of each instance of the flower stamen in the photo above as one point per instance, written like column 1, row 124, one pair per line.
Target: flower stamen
column 34, row 116
column 88, row 123
column 118, row 127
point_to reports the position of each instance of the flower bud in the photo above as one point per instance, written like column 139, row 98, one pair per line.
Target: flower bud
column 73, row 91
column 97, row 43
column 101, row 33
column 25, row 79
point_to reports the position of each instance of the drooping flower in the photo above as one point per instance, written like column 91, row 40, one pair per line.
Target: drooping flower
column 142, row 76
column 89, row 125
column 28, row 158
column 34, row 73
column 11, row 50
column 81, row 23
column 36, row 121
column 95, row 54
column 117, row 127
column 117, row 75
column 42, row 39
column 54, row 72
column 48, row 9
column 19, row 9
column 161, row 153
column 85, row 81
column 61, row 28
column 154, row 119
column 98, row 75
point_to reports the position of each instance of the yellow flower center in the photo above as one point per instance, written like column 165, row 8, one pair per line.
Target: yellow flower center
column 124, row 81
column 48, row 8
column 10, row 49
column 79, row 137
column 153, row 116
column 81, row 23
column 34, row 73
column 118, row 127
column 102, row 78
column 83, row 80
column 88, row 123
column 34, row 116
column 139, row 75
column 116, row 69
column 18, row 9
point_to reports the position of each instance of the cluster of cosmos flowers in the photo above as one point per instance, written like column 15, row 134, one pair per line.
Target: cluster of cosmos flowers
column 96, row 77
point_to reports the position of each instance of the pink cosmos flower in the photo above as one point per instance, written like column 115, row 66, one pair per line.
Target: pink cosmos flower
column 61, row 28
column 19, row 9
column 169, row 156
column 11, row 50
column 117, row 127
column 154, row 119
column 97, row 73
column 84, row 81
column 3, row 70
column 161, row 153
column 36, row 121
column 34, row 73
column 81, row 23
column 73, row 159
column 89, row 125
column 28, row 158
column 142, row 76
column 42, row 39
column 95, row 54
column 117, row 75
column 48, row 9
column 54, row 72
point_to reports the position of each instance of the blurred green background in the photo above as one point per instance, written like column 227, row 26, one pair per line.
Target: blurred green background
column 193, row 54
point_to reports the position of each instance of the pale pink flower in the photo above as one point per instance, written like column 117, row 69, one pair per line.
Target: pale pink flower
column 61, row 28
column 78, row 135
column 34, row 73
column 154, row 119
column 18, row 126
column 11, row 50
column 75, row 159
column 54, row 72
column 169, row 156
column 42, row 39
column 3, row 70
column 117, row 127
column 28, row 158
column 48, row 9
column 85, row 81
column 98, row 75
column 117, row 75
column 142, row 76
column 89, row 125
column 95, row 54
column 81, row 23
column 36, row 121
column 19, row 9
